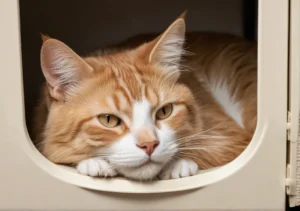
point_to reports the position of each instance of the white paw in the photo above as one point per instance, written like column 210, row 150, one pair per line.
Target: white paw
column 96, row 167
column 178, row 169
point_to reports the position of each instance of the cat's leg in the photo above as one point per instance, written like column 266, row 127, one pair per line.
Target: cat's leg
column 178, row 169
column 96, row 167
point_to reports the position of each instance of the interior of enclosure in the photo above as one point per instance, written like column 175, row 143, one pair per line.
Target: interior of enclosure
column 89, row 25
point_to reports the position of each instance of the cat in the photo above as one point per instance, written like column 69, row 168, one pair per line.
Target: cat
column 162, row 109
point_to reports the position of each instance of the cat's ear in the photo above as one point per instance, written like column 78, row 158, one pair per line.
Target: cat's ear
column 62, row 67
column 168, row 49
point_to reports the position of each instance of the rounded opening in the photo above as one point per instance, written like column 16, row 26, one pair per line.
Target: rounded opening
column 122, row 185
column 204, row 15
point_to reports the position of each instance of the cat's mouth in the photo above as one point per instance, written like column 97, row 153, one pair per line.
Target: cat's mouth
column 147, row 163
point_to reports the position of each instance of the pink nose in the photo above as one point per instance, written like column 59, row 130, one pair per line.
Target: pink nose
column 148, row 147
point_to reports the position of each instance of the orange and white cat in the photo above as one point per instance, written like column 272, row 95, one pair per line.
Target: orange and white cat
column 152, row 110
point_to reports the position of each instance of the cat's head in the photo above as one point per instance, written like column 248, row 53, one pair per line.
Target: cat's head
column 127, row 107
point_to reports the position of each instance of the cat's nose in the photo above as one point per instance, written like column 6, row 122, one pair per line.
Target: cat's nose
column 148, row 147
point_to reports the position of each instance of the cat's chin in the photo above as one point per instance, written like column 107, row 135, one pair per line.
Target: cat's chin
column 147, row 171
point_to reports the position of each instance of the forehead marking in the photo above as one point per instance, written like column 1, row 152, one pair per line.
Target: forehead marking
column 123, row 85
column 111, row 103
column 141, row 114
column 123, row 101
column 151, row 95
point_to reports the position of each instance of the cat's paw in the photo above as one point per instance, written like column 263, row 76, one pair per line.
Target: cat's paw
column 178, row 169
column 96, row 167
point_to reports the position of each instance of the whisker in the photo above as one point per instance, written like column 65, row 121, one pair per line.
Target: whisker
column 201, row 137
column 186, row 141
column 199, row 148
column 191, row 155
column 204, row 130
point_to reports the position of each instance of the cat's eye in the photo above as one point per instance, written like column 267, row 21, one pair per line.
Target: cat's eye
column 109, row 120
column 164, row 112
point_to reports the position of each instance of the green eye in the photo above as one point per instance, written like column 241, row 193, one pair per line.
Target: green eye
column 164, row 112
column 109, row 120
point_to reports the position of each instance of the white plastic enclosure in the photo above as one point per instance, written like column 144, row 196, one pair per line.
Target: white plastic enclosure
column 255, row 180
column 293, row 167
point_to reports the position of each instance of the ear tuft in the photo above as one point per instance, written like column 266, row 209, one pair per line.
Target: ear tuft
column 183, row 15
column 45, row 37
column 168, row 49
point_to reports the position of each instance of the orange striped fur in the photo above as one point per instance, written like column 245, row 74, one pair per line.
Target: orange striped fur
column 212, row 92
